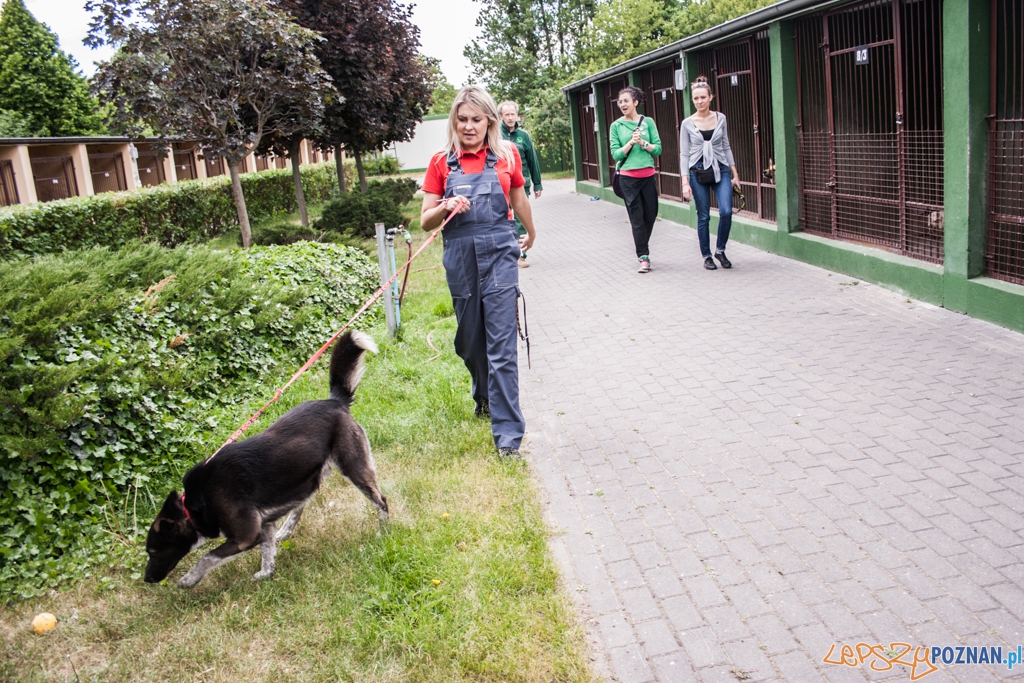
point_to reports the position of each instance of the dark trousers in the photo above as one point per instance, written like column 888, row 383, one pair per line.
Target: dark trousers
column 641, row 197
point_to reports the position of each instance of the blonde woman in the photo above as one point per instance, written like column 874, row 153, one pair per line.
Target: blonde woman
column 479, row 177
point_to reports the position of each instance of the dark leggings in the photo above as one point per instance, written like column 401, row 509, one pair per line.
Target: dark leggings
column 641, row 197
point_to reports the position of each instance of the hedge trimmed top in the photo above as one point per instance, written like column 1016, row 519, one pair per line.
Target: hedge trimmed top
column 170, row 214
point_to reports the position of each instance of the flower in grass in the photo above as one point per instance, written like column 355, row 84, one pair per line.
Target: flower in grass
column 437, row 582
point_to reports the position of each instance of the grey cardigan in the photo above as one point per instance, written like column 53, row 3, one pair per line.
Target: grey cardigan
column 714, row 152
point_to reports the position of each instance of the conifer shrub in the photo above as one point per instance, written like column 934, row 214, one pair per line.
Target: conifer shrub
column 121, row 369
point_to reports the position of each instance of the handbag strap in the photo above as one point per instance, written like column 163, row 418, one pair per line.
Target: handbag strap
column 638, row 124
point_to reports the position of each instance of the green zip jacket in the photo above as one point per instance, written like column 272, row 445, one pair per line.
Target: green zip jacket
column 522, row 140
column 620, row 134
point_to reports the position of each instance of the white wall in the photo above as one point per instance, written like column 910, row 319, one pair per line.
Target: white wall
column 428, row 139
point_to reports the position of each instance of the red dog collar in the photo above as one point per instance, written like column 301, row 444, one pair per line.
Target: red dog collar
column 187, row 516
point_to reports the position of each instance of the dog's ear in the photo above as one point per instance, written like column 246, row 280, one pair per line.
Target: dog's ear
column 172, row 509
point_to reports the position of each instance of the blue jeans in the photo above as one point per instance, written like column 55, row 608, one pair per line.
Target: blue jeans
column 702, row 198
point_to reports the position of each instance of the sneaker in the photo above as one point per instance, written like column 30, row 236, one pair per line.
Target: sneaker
column 726, row 263
column 523, row 263
column 645, row 265
column 509, row 454
column 483, row 409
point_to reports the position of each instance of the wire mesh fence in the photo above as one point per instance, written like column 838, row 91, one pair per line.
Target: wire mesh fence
column 151, row 168
column 107, row 171
column 185, row 164
column 1004, row 244
column 588, row 137
column 662, row 105
column 740, row 75
column 871, row 140
column 611, row 111
column 54, row 178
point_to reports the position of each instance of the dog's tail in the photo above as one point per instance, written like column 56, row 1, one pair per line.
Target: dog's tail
column 347, row 364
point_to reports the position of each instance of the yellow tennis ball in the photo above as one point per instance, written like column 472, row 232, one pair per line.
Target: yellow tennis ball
column 44, row 623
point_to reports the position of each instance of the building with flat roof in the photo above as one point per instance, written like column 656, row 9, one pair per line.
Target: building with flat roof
column 881, row 139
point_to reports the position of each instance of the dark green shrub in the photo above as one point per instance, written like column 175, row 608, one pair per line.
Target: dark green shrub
column 120, row 369
column 355, row 213
column 399, row 190
column 381, row 165
column 170, row 214
column 283, row 232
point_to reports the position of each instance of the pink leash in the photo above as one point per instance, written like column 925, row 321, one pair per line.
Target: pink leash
column 309, row 363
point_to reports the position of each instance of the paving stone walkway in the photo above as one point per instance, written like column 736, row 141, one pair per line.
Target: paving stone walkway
column 747, row 467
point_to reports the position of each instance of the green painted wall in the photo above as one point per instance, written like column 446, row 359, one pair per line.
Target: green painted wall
column 603, row 145
column 785, row 117
column 966, row 38
column 577, row 148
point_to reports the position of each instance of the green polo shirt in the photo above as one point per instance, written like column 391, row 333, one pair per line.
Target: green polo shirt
column 531, row 166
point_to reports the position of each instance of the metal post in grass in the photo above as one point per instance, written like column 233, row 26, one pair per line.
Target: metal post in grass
column 385, row 275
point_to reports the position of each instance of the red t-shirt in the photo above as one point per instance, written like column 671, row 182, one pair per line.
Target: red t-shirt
column 473, row 162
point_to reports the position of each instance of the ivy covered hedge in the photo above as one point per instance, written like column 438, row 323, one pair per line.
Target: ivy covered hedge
column 170, row 214
column 120, row 369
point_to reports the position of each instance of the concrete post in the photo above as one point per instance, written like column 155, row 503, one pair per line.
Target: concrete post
column 385, row 275
column 199, row 164
column 83, row 172
column 966, row 39
column 577, row 144
column 24, row 181
column 130, row 159
column 782, row 50
column 170, row 170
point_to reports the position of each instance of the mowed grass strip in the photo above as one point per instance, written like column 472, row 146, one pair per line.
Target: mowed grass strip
column 460, row 587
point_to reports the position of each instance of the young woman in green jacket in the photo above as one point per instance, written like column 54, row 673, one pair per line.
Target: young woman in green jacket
column 634, row 147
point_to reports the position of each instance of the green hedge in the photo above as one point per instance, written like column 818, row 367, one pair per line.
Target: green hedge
column 120, row 369
column 171, row 214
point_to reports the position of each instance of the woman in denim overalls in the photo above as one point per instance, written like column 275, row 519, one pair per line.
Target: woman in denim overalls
column 479, row 177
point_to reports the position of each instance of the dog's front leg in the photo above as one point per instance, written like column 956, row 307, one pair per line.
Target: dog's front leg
column 225, row 552
column 268, row 552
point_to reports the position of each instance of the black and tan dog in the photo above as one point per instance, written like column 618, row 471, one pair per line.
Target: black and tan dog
column 249, row 485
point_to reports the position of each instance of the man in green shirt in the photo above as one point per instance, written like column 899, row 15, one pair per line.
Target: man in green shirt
column 510, row 130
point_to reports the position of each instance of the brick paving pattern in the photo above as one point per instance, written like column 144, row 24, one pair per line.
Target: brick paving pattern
column 745, row 467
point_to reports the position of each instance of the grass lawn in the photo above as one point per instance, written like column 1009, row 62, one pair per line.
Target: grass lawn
column 460, row 587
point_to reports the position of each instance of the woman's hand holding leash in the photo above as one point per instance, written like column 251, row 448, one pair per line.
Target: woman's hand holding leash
column 458, row 204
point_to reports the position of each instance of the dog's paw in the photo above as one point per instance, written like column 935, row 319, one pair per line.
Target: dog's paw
column 189, row 581
column 262, row 574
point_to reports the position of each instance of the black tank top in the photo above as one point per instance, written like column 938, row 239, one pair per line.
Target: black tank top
column 707, row 133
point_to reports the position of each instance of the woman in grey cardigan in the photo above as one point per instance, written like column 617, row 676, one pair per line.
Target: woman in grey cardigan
column 704, row 148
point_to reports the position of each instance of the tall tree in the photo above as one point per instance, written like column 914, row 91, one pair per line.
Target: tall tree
column 371, row 53
column 525, row 45
column 41, row 92
column 443, row 92
column 222, row 72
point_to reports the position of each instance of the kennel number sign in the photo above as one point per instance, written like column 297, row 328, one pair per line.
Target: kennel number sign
column 861, row 56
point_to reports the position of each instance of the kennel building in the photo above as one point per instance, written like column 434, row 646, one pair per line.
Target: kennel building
column 883, row 139
column 47, row 169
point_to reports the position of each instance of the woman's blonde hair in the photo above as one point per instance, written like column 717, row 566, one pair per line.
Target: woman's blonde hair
column 481, row 100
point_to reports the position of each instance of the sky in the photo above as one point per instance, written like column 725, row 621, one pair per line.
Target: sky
column 446, row 27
